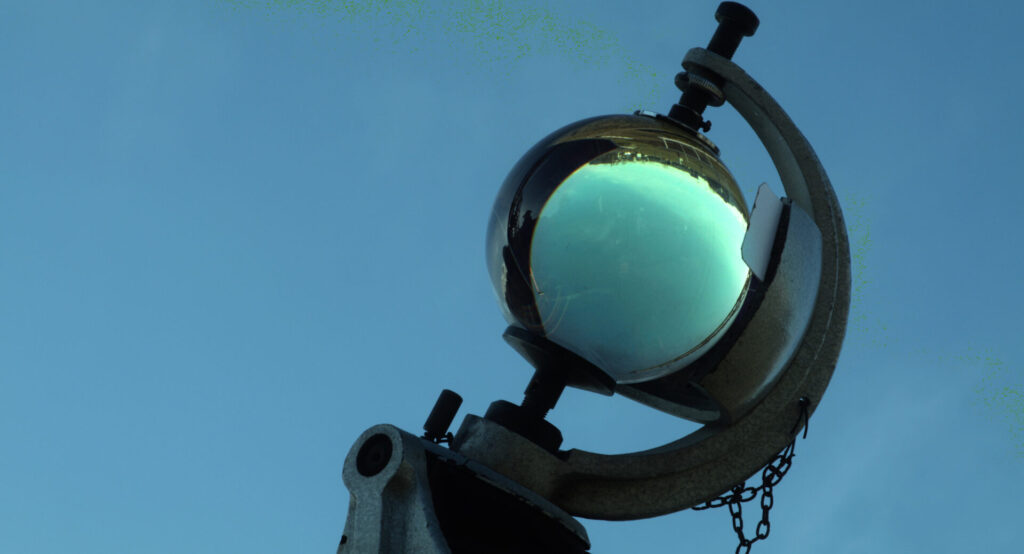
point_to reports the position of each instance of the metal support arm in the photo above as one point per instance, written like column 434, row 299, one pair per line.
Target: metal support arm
column 708, row 462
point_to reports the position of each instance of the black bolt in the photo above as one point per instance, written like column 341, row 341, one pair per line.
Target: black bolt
column 374, row 455
column 543, row 391
column 441, row 416
column 735, row 21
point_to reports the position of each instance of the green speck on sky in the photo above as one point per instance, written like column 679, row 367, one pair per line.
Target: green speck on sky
column 485, row 34
column 1000, row 393
column 859, row 230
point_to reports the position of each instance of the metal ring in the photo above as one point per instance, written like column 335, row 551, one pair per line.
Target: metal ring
column 688, row 78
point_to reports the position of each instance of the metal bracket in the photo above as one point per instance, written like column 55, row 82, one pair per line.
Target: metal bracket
column 710, row 461
column 390, row 507
column 408, row 494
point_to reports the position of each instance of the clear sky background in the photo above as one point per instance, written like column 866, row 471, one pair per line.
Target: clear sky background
column 235, row 234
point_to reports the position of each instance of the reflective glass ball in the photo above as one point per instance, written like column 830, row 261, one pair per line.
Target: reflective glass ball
column 619, row 238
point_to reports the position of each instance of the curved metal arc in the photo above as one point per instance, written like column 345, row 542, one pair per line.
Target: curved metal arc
column 710, row 461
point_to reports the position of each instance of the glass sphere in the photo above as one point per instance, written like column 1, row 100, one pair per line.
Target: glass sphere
column 619, row 238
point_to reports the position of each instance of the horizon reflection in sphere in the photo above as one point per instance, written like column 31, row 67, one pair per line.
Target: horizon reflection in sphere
column 634, row 260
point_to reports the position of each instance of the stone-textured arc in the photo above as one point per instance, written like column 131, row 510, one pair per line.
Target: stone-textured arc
column 710, row 461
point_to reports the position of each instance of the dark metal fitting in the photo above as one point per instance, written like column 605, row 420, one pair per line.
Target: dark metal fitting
column 689, row 118
column 526, row 424
column 684, row 79
column 374, row 455
column 735, row 21
column 442, row 415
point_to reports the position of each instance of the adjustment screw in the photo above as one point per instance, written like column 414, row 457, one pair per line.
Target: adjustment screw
column 441, row 416
column 735, row 21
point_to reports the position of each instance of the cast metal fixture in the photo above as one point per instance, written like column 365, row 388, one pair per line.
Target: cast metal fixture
column 625, row 261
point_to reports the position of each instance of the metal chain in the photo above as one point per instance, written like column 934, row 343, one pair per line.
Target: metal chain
column 770, row 476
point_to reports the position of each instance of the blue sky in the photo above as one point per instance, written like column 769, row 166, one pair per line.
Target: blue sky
column 235, row 234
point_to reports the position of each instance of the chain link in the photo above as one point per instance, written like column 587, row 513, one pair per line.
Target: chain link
column 770, row 476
